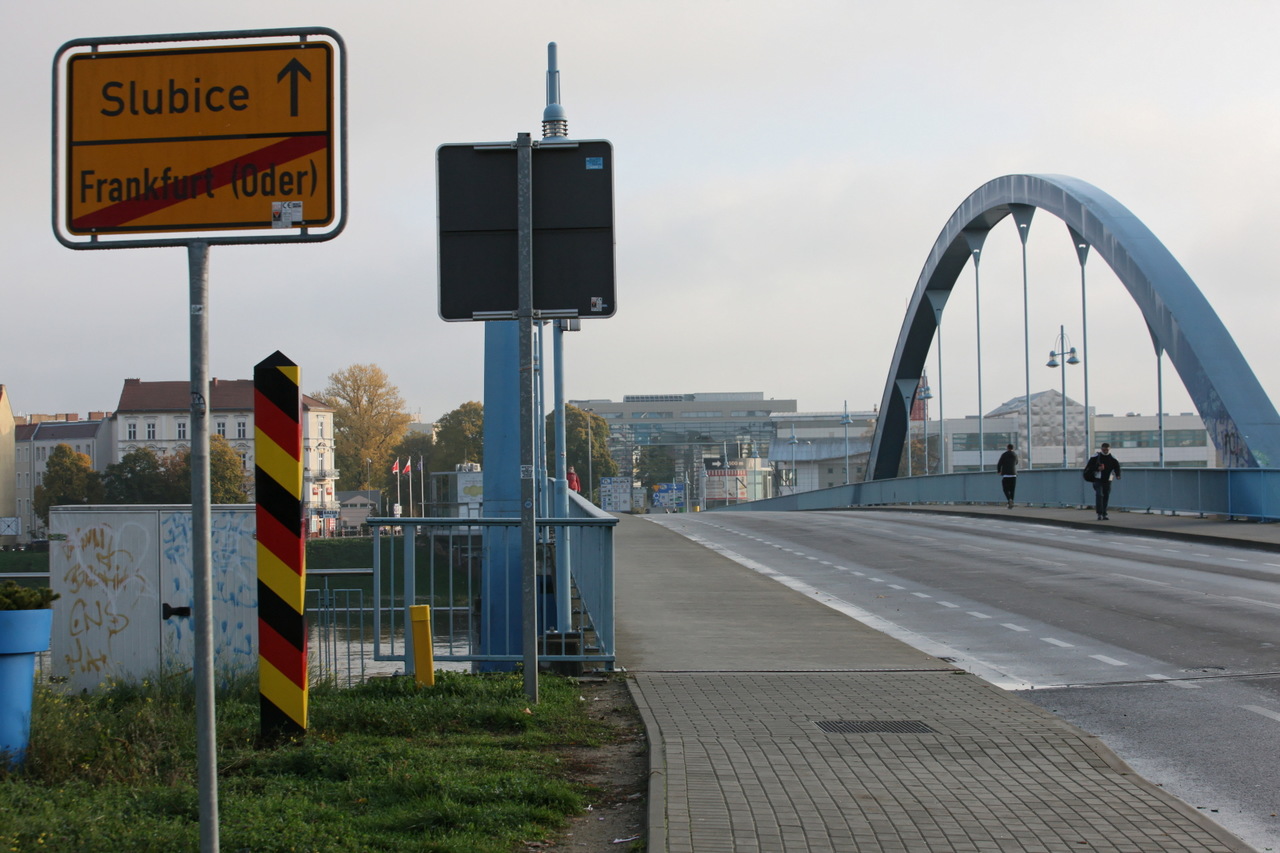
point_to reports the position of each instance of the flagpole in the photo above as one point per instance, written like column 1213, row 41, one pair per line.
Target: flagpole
column 422, row 483
column 409, row 470
column 396, row 471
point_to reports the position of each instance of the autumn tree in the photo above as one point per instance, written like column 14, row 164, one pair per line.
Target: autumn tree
column 69, row 478
column 368, row 420
column 138, row 478
column 460, row 437
column 228, row 481
column 586, row 442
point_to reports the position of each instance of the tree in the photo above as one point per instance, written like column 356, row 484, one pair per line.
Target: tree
column 656, row 465
column 69, row 478
column 228, row 481
column 138, row 478
column 460, row 437
column 586, row 443
column 368, row 421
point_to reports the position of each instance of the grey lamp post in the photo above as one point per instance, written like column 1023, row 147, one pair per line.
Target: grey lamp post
column 845, row 421
column 1061, row 350
column 926, row 394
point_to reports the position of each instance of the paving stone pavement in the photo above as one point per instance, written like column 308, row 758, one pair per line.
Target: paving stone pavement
column 733, row 674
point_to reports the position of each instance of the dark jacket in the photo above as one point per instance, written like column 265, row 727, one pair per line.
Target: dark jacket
column 1007, row 465
column 1106, row 466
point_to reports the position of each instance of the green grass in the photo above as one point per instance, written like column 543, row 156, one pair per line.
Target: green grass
column 460, row 766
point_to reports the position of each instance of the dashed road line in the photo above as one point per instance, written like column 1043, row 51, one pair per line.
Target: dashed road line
column 1266, row 712
column 1051, row 641
column 1107, row 660
column 1013, row 627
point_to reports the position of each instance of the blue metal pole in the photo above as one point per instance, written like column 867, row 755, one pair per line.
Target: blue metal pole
column 500, row 581
column 564, row 613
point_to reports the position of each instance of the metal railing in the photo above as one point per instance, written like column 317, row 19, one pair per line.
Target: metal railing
column 1244, row 493
column 467, row 571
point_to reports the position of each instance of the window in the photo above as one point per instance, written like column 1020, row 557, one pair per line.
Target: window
column 244, row 460
column 182, row 430
column 320, row 426
column 131, row 432
column 151, row 431
column 241, row 428
column 222, row 428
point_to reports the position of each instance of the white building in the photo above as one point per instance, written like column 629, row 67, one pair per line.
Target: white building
column 35, row 437
column 157, row 415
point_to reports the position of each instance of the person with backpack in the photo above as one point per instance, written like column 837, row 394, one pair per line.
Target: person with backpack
column 1007, row 468
column 1100, row 470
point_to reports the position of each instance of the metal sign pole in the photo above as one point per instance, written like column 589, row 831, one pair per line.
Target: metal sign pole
column 202, row 549
column 528, row 497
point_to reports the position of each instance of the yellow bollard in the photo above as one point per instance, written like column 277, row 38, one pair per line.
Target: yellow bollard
column 424, row 661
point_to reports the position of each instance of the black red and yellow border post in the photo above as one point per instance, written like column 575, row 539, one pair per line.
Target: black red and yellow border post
column 282, row 628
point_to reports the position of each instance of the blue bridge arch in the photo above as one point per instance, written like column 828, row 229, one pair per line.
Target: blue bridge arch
column 1240, row 418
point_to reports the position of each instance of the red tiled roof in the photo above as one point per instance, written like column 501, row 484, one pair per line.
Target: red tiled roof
column 224, row 394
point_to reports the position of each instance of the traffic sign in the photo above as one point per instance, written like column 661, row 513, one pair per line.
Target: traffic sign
column 573, row 258
column 212, row 134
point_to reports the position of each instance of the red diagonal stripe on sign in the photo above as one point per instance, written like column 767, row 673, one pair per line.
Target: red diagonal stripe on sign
column 277, row 425
column 282, row 655
column 264, row 158
column 283, row 543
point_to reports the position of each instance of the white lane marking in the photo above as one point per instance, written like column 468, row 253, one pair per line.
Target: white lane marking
column 922, row 595
column 1276, row 565
column 1141, row 580
column 948, row 604
column 1254, row 601
column 1108, row 660
column 975, row 614
column 1051, row 641
column 1238, row 559
column 1173, row 682
column 876, row 580
column 825, row 562
column 859, row 574
column 1266, row 712
column 1012, row 627
column 895, row 586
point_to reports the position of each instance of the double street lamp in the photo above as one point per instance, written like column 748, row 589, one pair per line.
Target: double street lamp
column 1061, row 349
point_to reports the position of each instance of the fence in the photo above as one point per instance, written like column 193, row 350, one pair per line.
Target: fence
column 357, row 617
column 1244, row 493
column 467, row 571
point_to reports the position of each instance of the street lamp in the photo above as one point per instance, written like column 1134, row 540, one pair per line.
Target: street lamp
column 845, row 421
column 1054, row 354
column 795, row 476
column 926, row 394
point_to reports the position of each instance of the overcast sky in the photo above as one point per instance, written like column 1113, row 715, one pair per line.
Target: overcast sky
column 781, row 172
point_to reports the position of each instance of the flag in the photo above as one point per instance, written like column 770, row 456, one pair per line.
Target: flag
column 395, row 469
column 419, row 464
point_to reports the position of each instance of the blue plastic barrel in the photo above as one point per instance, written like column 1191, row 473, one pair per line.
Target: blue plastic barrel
column 23, row 633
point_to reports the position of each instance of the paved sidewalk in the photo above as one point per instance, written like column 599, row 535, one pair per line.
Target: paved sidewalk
column 778, row 724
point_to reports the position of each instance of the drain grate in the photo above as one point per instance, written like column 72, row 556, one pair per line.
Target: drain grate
column 893, row 727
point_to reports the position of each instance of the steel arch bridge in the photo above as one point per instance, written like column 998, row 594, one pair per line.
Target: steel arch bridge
column 1240, row 418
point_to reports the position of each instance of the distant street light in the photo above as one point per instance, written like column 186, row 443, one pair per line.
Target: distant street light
column 795, row 476
column 845, row 421
column 1061, row 350
column 926, row 394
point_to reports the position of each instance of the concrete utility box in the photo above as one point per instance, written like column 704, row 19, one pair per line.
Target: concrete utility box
column 127, row 586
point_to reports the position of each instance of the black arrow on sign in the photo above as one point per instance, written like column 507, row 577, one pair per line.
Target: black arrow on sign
column 293, row 69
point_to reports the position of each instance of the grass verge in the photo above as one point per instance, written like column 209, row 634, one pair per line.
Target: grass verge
column 466, row 765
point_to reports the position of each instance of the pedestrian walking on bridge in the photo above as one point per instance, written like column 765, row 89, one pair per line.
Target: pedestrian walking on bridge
column 1007, row 468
